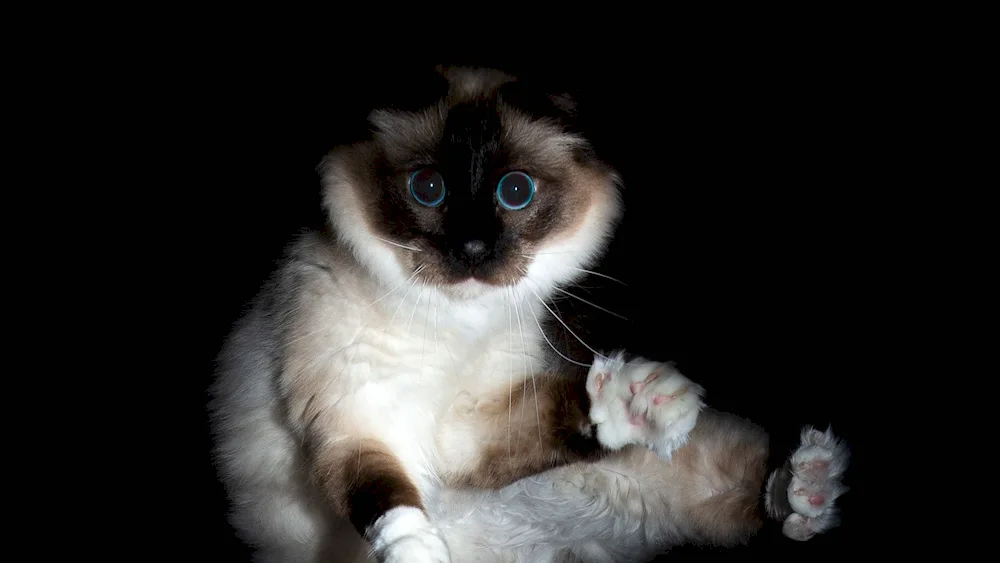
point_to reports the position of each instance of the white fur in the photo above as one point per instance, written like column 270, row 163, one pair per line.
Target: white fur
column 642, row 402
column 413, row 353
column 404, row 535
column 405, row 363
column 815, row 469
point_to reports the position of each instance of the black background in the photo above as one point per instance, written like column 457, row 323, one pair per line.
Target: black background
column 747, row 245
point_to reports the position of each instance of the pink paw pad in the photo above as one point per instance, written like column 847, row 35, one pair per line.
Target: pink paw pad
column 600, row 380
column 638, row 386
column 815, row 465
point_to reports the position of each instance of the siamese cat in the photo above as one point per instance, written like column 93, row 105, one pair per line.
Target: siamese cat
column 391, row 394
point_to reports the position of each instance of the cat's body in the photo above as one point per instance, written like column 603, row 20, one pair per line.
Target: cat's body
column 393, row 381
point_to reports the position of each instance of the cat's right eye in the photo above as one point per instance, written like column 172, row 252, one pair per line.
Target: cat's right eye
column 427, row 187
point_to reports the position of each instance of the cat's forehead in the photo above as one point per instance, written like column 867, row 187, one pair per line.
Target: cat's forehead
column 480, row 112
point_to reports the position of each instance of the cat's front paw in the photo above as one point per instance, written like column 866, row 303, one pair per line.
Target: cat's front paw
column 642, row 402
column 404, row 535
column 810, row 483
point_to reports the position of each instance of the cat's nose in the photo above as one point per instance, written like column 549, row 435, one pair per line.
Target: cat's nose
column 474, row 248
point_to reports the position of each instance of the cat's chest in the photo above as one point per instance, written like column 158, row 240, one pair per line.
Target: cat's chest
column 432, row 366
column 426, row 348
column 417, row 381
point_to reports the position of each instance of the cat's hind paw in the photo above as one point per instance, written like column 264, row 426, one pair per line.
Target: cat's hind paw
column 642, row 402
column 803, row 493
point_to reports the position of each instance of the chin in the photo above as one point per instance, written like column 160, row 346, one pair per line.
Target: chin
column 470, row 288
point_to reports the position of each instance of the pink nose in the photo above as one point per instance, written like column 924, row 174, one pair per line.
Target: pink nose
column 816, row 500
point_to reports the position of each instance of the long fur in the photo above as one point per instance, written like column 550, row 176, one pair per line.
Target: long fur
column 359, row 348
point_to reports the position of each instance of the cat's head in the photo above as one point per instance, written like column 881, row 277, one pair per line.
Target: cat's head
column 486, row 187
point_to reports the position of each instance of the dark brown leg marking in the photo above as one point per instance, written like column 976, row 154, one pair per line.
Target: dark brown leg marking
column 367, row 483
column 563, row 436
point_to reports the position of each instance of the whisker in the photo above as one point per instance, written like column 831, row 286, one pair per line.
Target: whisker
column 401, row 301
column 600, row 275
column 532, row 255
column 454, row 362
column 415, row 303
column 524, row 380
column 387, row 241
column 391, row 291
column 510, row 367
column 549, row 342
column 594, row 305
column 540, row 300
column 531, row 372
column 423, row 345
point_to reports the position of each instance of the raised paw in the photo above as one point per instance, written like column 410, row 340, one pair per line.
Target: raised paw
column 811, row 483
column 642, row 402
column 404, row 535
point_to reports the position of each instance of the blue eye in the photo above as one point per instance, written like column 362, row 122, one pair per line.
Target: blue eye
column 515, row 190
column 427, row 187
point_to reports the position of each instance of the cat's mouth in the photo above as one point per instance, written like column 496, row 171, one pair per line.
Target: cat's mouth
column 469, row 284
column 451, row 272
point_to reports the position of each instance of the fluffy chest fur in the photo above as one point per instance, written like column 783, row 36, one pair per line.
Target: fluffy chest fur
column 418, row 369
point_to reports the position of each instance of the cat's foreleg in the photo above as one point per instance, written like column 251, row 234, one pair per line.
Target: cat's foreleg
column 366, row 483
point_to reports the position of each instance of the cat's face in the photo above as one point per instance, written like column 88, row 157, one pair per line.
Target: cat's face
column 482, row 190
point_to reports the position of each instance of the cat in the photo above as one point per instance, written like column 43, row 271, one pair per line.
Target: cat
column 391, row 395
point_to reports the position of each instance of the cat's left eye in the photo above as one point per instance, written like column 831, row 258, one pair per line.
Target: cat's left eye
column 515, row 190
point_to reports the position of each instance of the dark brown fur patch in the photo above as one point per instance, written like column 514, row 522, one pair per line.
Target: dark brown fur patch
column 367, row 483
column 560, row 433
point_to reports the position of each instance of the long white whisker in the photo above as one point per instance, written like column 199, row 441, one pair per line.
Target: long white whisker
column 387, row 241
column 532, row 255
column 401, row 301
column 393, row 290
column 435, row 326
column 531, row 372
column 542, row 301
column 423, row 345
column 594, row 305
column 600, row 275
column 549, row 342
column 510, row 369
column 524, row 380
column 454, row 362
column 409, row 323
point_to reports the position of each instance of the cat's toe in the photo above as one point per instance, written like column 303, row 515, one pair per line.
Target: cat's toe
column 821, row 456
column 667, row 401
column 608, row 388
column 642, row 402
column 811, row 499
column 813, row 476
